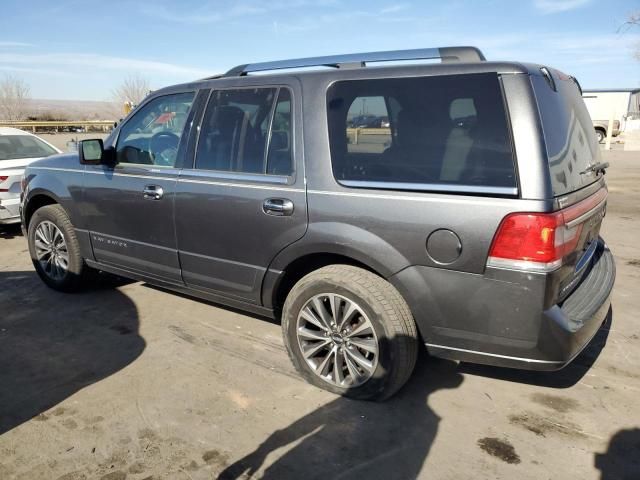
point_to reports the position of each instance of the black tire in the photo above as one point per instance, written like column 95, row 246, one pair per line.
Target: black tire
column 77, row 273
column 388, row 313
column 600, row 136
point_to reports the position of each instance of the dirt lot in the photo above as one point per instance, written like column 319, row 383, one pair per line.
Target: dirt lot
column 133, row 382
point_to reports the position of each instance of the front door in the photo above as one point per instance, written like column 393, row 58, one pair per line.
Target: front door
column 243, row 200
column 129, row 207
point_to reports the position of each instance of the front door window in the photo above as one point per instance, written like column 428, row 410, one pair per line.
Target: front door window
column 152, row 135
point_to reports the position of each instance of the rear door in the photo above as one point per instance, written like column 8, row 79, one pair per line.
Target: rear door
column 243, row 198
column 572, row 151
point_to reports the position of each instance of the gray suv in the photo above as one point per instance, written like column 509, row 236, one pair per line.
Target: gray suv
column 468, row 223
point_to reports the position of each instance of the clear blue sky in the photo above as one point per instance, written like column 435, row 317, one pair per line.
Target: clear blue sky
column 82, row 49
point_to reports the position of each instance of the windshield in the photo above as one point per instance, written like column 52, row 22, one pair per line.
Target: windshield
column 23, row 146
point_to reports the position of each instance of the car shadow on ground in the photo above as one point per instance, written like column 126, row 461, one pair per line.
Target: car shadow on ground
column 565, row 378
column 54, row 344
column 7, row 232
column 358, row 439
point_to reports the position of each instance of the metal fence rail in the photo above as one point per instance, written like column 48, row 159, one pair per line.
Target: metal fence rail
column 88, row 125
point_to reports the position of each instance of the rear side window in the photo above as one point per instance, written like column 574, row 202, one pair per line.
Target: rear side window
column 23, row 146
column 247, row 130
column 568, row 132
column 442, row 133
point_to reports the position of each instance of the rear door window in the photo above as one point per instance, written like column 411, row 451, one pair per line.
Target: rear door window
column 429, row 133
column 23, row 146
column 568, row 133
column 248, row 131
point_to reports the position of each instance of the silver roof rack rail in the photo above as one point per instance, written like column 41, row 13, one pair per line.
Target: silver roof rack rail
column 355, row 60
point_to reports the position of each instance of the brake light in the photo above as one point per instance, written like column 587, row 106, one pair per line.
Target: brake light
column 2, row 179
column 539, row 241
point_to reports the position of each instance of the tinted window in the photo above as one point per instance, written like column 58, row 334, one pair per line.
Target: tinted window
column 244, row 130
column 152, row 135
column 429, row 130
column 23, row 146
column 280, row 158
column 568, row 132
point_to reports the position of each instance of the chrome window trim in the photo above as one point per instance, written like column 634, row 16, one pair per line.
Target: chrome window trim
column 276, row 188
column 239, row 176
column 431, row 187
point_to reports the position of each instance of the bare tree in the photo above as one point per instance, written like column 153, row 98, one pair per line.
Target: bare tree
column 14, row 97
column 133, row 89
column 633, row 20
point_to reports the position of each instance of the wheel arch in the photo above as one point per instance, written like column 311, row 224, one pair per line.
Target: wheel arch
column 35, row 201
column 325, row 244
column 301, row 266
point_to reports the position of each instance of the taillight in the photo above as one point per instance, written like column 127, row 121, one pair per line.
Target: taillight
column 2, row 179
column 533, row 241
column 539, row 241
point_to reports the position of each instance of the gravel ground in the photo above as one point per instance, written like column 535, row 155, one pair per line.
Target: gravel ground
column 128, row 381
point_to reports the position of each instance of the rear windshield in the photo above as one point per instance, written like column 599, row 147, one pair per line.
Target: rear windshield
column 568, row 132
column 428, row 133
column 23, row 146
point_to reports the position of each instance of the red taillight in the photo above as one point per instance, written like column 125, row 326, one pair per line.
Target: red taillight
column 532, row 237
column 539, row 241
column 2, row 179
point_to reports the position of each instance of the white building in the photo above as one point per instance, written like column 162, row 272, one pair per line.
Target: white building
column 623, row 104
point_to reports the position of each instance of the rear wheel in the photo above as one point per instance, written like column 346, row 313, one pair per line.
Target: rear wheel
column 600, row 136
column 350, row 332
column 54, row 249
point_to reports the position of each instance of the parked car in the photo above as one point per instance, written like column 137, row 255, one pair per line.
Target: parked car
column 17, row 150
column 600, row 127
column 474, row 231
column 365, row 121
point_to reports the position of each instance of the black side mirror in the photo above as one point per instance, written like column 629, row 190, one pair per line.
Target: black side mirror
column 92, row 152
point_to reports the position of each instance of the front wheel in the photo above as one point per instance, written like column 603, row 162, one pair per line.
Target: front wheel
column 600, row 136
column 350, row 332
column 54, row 249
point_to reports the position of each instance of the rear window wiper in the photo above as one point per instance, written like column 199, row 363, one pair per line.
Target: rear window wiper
column 596, row 168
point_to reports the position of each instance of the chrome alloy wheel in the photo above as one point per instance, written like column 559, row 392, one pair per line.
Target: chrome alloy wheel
column 337, row 340
column 51, row 250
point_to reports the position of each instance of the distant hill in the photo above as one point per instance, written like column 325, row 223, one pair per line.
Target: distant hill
column 75, row 109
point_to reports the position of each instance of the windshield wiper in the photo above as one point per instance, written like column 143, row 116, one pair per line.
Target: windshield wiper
column 596, row 168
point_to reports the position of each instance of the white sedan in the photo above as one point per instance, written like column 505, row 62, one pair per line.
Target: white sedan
column 17, row 150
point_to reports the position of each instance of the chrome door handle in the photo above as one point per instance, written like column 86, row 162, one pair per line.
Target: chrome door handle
column 152, row 192
column 278, row 206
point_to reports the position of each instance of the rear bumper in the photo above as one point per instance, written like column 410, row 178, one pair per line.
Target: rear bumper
column 507, row 326
column 9, row 210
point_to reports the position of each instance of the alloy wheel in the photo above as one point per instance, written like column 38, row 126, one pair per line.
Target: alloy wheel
column 337, row 340
column 51, row 250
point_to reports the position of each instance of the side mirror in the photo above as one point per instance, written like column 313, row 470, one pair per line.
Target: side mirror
column 92, row 152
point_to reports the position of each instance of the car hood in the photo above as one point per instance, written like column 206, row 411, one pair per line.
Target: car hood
column 62, row 160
